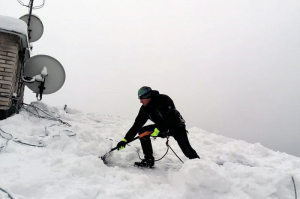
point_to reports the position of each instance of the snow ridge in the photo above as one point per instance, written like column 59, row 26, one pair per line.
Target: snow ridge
column 68, row 165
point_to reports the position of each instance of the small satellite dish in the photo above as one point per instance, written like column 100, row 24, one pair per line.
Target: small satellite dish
column 36, row 27
column 47, row 73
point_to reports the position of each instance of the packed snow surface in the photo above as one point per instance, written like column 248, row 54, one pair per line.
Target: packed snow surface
column 65, row 164
column 13, row 25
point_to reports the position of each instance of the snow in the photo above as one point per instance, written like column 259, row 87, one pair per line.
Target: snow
column 13, row 25
column 68, row 167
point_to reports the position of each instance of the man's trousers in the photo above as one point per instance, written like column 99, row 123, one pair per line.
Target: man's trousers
column 179, row 134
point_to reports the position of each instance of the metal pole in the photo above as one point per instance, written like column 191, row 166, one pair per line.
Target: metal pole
column 29, row 18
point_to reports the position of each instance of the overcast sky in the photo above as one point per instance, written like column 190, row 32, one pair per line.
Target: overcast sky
column 232, row 67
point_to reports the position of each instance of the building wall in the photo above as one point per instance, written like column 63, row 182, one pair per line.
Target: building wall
column 10, row 66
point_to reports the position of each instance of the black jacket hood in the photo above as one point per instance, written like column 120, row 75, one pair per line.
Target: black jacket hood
column 154, row 94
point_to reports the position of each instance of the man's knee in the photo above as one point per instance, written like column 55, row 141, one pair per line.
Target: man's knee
column 146, row 128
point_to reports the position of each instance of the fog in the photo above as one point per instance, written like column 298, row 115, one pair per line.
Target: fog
column 231, row 67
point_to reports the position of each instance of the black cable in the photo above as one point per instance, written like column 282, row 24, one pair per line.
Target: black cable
column 37, row 114
column 294, row 187
column 112, row 140
column 10, row 197
column 40, row 6
column 1, row 147
column 6, row 133
column 35, row 7
column 48, row 116
column 18, row 141
column 7, row 140
column 37, row 108
column 72, row 135
column 22, row 4
column 65, row 123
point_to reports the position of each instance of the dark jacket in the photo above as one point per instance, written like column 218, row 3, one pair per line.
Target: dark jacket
column 161, row 111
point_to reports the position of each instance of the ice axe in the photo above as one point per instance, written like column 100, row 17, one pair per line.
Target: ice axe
column 137, row 137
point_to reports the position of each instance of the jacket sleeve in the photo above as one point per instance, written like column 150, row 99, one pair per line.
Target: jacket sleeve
column 139, row 122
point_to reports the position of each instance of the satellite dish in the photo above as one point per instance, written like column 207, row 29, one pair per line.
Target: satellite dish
column 36, row 27
column 47, row 73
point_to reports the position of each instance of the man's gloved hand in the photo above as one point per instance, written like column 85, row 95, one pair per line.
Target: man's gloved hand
column 158, row 133
column 155, row 133
column 122, row 144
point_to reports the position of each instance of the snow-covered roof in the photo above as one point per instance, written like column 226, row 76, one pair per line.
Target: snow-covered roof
column 52, row 160
column 17, row 27
column 13, row 25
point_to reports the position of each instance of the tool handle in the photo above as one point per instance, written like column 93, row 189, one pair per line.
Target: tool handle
column 137, row 137
column 126, row 143
column 144, row 134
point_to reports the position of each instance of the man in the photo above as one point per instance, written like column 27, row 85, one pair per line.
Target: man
column 161, row 110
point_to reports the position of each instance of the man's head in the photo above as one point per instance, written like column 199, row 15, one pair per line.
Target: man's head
column 144, row 94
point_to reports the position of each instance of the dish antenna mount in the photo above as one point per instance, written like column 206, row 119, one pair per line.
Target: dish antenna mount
column 34, row 24
column 42, row 74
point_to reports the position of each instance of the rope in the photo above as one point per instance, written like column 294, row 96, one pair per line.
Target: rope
column 10, row 197
column 137, row 151
column 163, row 155
column 167, row 143
column 176, row 155
column 294, row 187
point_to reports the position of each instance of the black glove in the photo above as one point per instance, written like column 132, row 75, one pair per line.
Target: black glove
column 122, row 144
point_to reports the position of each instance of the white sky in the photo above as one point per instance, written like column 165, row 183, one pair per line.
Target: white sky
column 231, row 67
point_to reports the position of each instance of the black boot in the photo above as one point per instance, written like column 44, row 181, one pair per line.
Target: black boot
column 148, row 163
